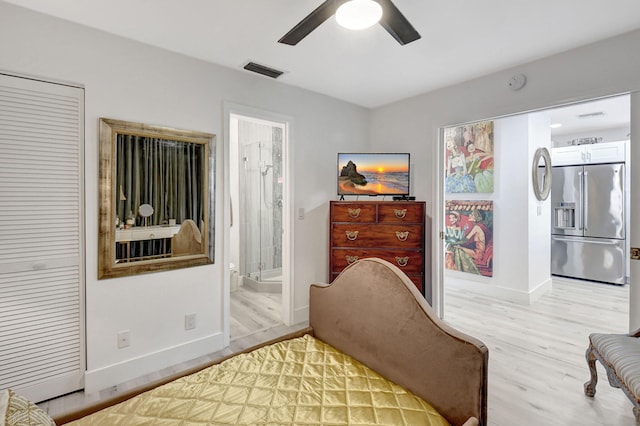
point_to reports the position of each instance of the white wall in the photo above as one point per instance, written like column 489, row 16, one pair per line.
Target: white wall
column 130, row 81
column 608, row 67
column 521, row 236
column 538, row 212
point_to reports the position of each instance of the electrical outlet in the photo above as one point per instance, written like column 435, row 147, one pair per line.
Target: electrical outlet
column 190, row 321
column 124, row 339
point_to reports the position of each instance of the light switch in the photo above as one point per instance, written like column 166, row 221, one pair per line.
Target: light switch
column 301, row 213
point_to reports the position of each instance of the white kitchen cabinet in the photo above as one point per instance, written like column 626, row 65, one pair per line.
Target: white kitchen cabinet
column 609, row 152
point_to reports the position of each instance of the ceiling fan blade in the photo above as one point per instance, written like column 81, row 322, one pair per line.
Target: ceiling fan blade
column 396, row 24
column 311, row 22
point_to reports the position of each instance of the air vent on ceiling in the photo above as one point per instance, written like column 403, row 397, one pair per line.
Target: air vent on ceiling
column 264, row 70
column 591, row 114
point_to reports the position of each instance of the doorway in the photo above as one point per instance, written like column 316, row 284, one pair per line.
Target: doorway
column 257, row 244
column 599, row 121
column 260, row 203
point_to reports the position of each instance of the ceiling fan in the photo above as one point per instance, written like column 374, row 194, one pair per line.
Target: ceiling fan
column 392, row 20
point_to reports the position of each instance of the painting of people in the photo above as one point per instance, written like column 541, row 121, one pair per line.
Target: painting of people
column 469, row 236
column 469, row 158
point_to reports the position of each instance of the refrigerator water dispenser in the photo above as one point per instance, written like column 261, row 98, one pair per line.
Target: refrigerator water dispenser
column 565, row 216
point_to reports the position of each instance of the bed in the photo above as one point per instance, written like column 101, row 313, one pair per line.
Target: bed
column 374, row 353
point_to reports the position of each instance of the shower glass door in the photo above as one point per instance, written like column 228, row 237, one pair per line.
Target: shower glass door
column 262, row 194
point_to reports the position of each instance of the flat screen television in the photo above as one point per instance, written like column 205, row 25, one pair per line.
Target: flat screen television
column 373, row 174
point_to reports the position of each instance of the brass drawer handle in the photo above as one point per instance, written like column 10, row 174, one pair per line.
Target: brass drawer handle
column 402, row 261
column 400, row 213
column 351, row 259
column 351, row 235
column 354, row 213
column 402, row 235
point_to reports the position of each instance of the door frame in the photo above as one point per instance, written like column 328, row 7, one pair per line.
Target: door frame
column 233, row 109
column 437, row 240
column 437, row 266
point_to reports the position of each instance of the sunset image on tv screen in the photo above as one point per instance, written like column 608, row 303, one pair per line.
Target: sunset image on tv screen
column 373, row 174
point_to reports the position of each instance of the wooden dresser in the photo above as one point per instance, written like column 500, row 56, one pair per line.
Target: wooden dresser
column 390, row 230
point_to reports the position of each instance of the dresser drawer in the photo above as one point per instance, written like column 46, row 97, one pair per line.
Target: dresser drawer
column 409, row 261
column 389, row 230
column 417, row 280
column 401, row 212
column 372, row 236
column 353, row 212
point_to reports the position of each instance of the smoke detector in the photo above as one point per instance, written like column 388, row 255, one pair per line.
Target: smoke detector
column 517, row 82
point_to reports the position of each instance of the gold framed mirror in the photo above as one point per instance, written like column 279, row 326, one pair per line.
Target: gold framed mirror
column 156, row 198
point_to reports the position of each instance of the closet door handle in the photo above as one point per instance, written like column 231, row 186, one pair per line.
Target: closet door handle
column 402, row 235
column 354, row 213
column 400, row 213
column 402, row 261
column 351, row 235
column 351, row 259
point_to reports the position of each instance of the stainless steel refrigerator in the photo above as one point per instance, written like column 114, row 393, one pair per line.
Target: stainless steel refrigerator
column 588, row 222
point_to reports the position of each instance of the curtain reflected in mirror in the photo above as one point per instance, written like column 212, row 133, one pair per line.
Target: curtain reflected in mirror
column 160, row 182
column 165, row 175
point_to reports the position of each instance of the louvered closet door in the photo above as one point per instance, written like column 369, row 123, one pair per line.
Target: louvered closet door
column 42, row 352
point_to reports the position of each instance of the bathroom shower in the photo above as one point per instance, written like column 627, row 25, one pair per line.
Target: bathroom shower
column 261, row 201
column 259, row 232
column 265, row 181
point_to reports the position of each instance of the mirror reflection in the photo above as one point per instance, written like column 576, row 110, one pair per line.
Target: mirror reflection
column 541, row 173
column 159, row 189
column 158, row 182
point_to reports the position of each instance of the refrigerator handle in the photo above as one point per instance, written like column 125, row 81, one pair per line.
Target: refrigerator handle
column 585, row 200
column 583, row 240
column 580, row 218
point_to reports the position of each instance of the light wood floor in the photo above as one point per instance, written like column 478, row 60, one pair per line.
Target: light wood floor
column 536, row 352
column 253, row 312
column 537, row 365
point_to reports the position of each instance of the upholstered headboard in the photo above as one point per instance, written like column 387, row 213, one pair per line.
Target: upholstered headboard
column 374, row 313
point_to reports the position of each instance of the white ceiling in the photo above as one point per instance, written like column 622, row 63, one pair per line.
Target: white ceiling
column 608, row 113
column 461, row 39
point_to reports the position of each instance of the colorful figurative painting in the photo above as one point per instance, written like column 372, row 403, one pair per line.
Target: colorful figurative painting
column 469, row 158
column 469, row 236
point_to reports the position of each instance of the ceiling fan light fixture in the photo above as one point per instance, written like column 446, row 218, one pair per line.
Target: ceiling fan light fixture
column 359, row 14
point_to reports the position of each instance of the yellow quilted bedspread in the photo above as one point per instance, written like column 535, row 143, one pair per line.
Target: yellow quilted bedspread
column 300, row 381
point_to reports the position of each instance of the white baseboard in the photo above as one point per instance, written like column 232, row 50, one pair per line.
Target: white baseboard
column 501, row 292
column 115, row 374
column 301, row 315
column 540, row 290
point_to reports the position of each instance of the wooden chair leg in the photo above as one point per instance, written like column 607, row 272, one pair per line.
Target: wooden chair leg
column 590, row 386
